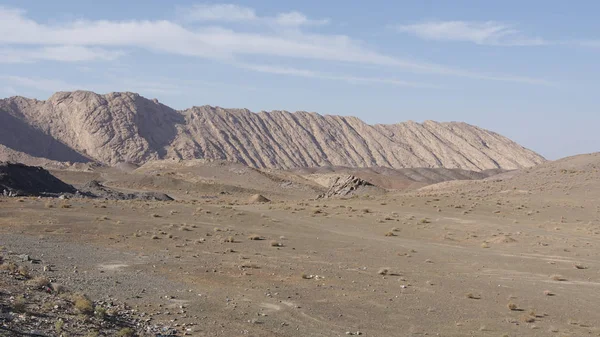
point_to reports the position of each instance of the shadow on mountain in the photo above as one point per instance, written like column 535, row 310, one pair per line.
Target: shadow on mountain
column 19, row 136
column 157, row 123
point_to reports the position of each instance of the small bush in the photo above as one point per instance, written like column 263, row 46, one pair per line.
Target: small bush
column 100, row 312
column 19, row 304
column 58, row 326
column 83, row 304
column 255, row 237
column 390, row 234
column 511, row 306
column 39, row 282
column 23, row 271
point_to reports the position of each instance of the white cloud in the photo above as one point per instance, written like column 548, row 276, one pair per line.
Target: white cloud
column 57, row 53
column 106, row 39
column 483, row 33
column 297, row 19
column 236, row 13
column 314, row 74
column 218, row 12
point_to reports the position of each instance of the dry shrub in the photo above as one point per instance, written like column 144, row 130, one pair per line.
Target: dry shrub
column 39, row 282
column 83, row 304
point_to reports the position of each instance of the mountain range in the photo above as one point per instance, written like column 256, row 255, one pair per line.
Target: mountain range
column 83, row 126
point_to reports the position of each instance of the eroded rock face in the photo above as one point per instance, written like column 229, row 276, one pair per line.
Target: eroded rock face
column 346, row 186
column 125, row 127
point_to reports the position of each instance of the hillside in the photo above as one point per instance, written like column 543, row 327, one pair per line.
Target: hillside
column 83, row 126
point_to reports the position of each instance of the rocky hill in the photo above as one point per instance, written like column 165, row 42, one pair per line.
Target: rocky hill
column 83, row 126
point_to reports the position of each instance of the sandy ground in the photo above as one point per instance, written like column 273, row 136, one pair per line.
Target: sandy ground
column 441, row 262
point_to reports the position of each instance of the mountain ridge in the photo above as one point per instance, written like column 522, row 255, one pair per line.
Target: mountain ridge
column 84, row 126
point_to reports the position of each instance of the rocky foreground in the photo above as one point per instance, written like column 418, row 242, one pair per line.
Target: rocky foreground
column 34, row 301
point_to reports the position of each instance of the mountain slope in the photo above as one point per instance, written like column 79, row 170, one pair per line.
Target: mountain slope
column 80, row 126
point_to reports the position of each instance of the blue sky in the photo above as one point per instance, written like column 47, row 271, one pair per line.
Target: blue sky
column 526, row 69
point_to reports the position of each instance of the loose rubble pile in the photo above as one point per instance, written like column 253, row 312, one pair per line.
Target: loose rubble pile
column 23, row 180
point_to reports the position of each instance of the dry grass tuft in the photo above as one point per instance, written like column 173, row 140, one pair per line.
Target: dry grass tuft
column 83, row 304
column 10, row 267
column 528, row 318
column 255, row 237
column 229, row 239
column 390, row 234
column 511, row 306
column 19, row 304
column 557, row 278
column 23, row 271
column 548, row 293
column 39, row 282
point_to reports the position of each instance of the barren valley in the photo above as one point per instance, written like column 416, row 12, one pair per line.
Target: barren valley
column 513, row 254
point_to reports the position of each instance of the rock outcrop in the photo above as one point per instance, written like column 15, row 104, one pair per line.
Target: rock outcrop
column 347, row 186
column 83, row 126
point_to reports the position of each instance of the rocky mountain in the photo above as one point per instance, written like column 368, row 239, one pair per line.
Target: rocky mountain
column 84, row 126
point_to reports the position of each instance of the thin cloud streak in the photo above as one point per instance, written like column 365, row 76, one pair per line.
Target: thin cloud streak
column 99, row 38
column 483, row 33
column 313, row 74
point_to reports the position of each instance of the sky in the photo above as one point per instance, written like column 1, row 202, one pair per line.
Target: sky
column 528, row 70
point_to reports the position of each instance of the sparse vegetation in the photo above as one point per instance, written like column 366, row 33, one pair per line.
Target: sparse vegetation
column 39, row 282
column 557, row 278
column 19, row 304
column 83, row 304
column 512, row 306
column 58, row 326
column 255, row 237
